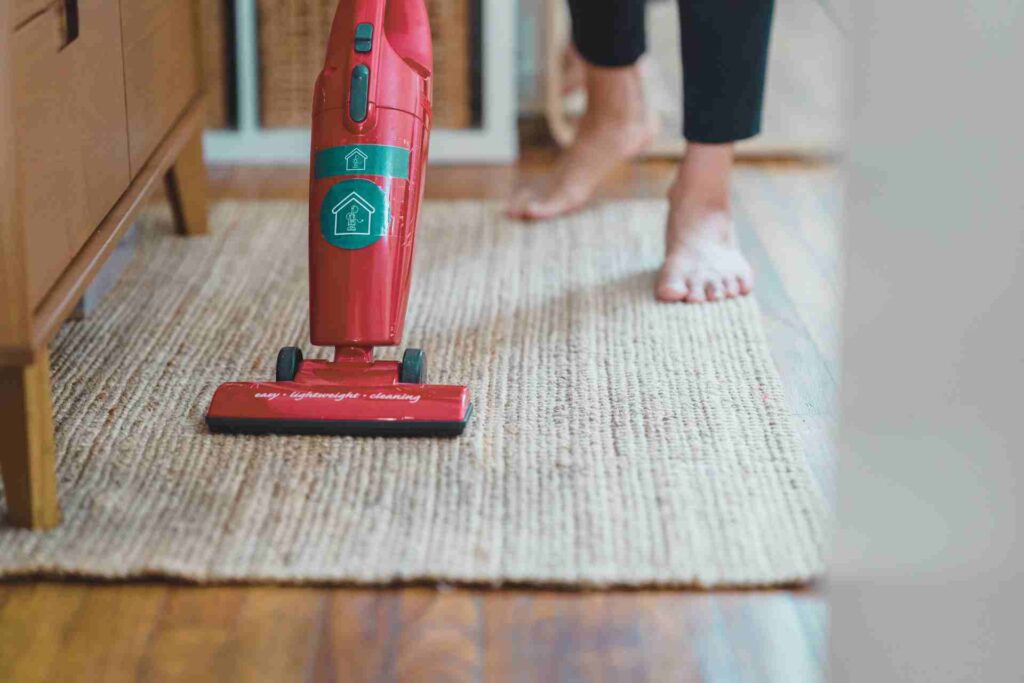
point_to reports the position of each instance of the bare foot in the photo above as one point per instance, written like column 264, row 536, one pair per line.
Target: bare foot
column 616, row 125
column 702, row 259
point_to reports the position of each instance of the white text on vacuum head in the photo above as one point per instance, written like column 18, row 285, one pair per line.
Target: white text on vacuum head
column 337, row 397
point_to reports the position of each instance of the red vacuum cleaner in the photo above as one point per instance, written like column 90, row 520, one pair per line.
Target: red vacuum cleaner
column 371, row 128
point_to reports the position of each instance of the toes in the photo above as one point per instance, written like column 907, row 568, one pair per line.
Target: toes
column 562, row 200
column 714, row 288
column 746, row 283
column 518, row 206
column 696, row 294
column 532, row 206
column 671, row 288
column 539, row 209
column 709, row 287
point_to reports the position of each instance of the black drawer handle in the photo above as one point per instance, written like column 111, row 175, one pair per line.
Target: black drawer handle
column 70, row 21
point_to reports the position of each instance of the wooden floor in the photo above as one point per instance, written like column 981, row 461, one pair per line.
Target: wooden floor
column 154, row 631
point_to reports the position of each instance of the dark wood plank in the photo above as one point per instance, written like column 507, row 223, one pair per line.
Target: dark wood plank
column 563, row 636
column 35, row 628
column 192, row 634
column 438, row 636
column 274, row 636
column 110, row 634
column 357, row 635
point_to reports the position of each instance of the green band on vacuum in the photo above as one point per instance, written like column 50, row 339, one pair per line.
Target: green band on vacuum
column 382, row 160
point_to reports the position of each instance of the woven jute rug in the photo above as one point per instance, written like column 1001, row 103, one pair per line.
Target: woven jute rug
column 615, row 440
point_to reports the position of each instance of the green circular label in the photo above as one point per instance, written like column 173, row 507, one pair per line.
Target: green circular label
column 354, row 214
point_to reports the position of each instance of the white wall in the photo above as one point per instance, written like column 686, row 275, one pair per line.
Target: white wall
column 927, row 581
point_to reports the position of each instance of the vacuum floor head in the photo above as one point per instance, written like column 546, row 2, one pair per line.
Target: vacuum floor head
column 374, row 398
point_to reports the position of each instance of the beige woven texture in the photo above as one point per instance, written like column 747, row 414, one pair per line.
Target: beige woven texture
column 615, row 441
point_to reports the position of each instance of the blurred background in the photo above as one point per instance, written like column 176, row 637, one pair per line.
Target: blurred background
column 496, row 63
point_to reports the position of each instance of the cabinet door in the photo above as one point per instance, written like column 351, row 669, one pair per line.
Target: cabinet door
column 161, row 69
column 72, row 145
column 24, row 10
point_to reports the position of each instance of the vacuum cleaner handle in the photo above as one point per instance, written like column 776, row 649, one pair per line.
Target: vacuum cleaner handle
column 407, row 27
column 379, row 55
column 405, row 23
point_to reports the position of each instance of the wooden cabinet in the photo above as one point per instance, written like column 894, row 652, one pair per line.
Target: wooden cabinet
column 72, row 144
column 99, row 100
column 26, row 9
column 161, row 68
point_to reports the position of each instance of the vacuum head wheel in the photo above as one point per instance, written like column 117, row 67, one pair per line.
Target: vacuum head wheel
column 288, row 360
column 414, row 367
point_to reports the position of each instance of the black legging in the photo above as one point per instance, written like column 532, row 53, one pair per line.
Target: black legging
column 725, row 53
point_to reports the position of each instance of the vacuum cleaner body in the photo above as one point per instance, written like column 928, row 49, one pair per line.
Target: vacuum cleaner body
column 371, row 131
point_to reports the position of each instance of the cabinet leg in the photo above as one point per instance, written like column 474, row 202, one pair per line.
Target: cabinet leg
column 27, row 455
column 186, row 187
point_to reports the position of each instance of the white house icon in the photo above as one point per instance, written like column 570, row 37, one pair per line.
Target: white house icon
column 355, row 160
column 353, row 215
